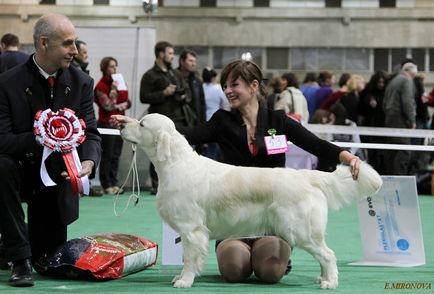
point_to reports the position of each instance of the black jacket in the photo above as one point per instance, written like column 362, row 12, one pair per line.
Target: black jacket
column 152, row 85
column 24, row 91
column 229, row 131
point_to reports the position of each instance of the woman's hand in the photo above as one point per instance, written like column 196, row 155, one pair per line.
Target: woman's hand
column 118, row 121
column 353, row 161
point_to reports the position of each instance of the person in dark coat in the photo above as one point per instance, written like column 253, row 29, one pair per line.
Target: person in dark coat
column 24, row 90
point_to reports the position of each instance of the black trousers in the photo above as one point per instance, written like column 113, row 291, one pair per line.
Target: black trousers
column 45, row 230
column 109, row 165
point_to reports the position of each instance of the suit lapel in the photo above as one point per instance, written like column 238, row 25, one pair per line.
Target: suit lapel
column 36, row 96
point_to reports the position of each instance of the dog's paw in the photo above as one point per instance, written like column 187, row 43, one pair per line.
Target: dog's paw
column 329, row 284
column 176, row 278
column 179, row 283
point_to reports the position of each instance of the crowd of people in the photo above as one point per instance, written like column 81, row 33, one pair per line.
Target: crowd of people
column 227, row 122
column 391, row 100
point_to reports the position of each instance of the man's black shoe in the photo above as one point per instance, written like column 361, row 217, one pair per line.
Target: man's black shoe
column 21, row 274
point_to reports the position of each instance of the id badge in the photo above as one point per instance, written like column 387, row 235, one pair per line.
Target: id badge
column 276, row 144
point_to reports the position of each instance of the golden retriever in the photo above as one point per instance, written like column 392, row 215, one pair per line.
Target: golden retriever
column 203, row 199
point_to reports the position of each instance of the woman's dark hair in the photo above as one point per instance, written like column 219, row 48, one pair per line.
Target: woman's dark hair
column 310, row 77
column 323, row 76
column 291, row 79
column 104, row 64
column 208, row 74
column 371, row 86
column 247, row 71
column 344, row 79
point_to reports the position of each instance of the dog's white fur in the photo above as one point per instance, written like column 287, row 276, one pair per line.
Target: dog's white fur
column 203, row 199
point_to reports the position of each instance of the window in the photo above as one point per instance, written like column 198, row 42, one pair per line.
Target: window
column 277, row 58
column 398, row 55
column 431, row 59
column 101, row 2
column 387, row 3
column 357, row 59
column 47, row 2
column 330, row 59
column 261, row 3
column 381, row 59
column 208, row 3
column 333, row 3
column 418, row 55
column 223, row 55
column 304, row 58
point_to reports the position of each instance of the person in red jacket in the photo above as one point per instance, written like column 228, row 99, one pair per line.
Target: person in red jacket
column 111, row 99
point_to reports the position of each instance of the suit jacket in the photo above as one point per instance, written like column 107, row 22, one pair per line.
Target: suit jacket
column 227, row 128
column 24, row 91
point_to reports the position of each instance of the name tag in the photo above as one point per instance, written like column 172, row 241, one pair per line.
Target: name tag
column 276, row 144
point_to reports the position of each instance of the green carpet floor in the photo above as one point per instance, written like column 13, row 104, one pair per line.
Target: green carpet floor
column 96, row 216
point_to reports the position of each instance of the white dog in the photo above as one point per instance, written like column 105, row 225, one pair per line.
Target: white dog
column 203, row 199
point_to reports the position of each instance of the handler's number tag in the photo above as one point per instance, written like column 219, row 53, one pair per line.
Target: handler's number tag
column 276, row 144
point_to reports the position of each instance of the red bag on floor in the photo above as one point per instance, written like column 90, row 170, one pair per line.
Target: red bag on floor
column 101, row 256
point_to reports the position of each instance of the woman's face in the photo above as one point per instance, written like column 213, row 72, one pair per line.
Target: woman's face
column 380, row 84
column 111, row 68
column 360, row 85
column 283, row 84
column 239, row 93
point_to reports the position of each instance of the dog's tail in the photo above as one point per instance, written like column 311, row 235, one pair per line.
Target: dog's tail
column 341, row 189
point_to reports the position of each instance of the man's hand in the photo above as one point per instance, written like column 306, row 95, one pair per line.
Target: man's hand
column 86, row 170
column 169, row 90
column 118, row 120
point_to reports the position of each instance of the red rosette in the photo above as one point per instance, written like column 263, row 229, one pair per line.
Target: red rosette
column 63, row 132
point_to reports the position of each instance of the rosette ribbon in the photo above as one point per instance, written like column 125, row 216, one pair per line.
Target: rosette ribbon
column 62, row 132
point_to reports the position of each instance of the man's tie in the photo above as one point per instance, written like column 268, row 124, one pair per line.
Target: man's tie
column 51, row 81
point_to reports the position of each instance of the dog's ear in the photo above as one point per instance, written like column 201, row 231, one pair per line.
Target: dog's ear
column 163, row 145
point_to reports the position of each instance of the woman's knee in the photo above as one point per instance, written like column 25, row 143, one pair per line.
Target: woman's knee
column 233, row 257
column 270, row 256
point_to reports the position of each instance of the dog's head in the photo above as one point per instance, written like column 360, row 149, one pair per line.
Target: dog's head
column 153, row 133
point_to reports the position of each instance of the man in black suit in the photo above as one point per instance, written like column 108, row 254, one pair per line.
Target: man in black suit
column 23, row 91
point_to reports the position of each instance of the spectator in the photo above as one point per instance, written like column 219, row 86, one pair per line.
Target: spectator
column 351, row 99
column 273, row 90
column 10, row 55
column 187, row 68
column 215, row 99
column 166, row 92
column 372, row 113
column 291, row 100
column 309, row 88
column 50, row 209
column 80, row 60
column 400, row 112
column 337, row 95
column 326, row 81
column 110, row 100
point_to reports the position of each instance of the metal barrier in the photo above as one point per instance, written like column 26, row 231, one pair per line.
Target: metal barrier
column 367, row 131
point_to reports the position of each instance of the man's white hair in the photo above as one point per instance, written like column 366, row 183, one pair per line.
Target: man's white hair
column 410, row 67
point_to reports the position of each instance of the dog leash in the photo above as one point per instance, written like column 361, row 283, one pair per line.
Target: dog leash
column 135, row 179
